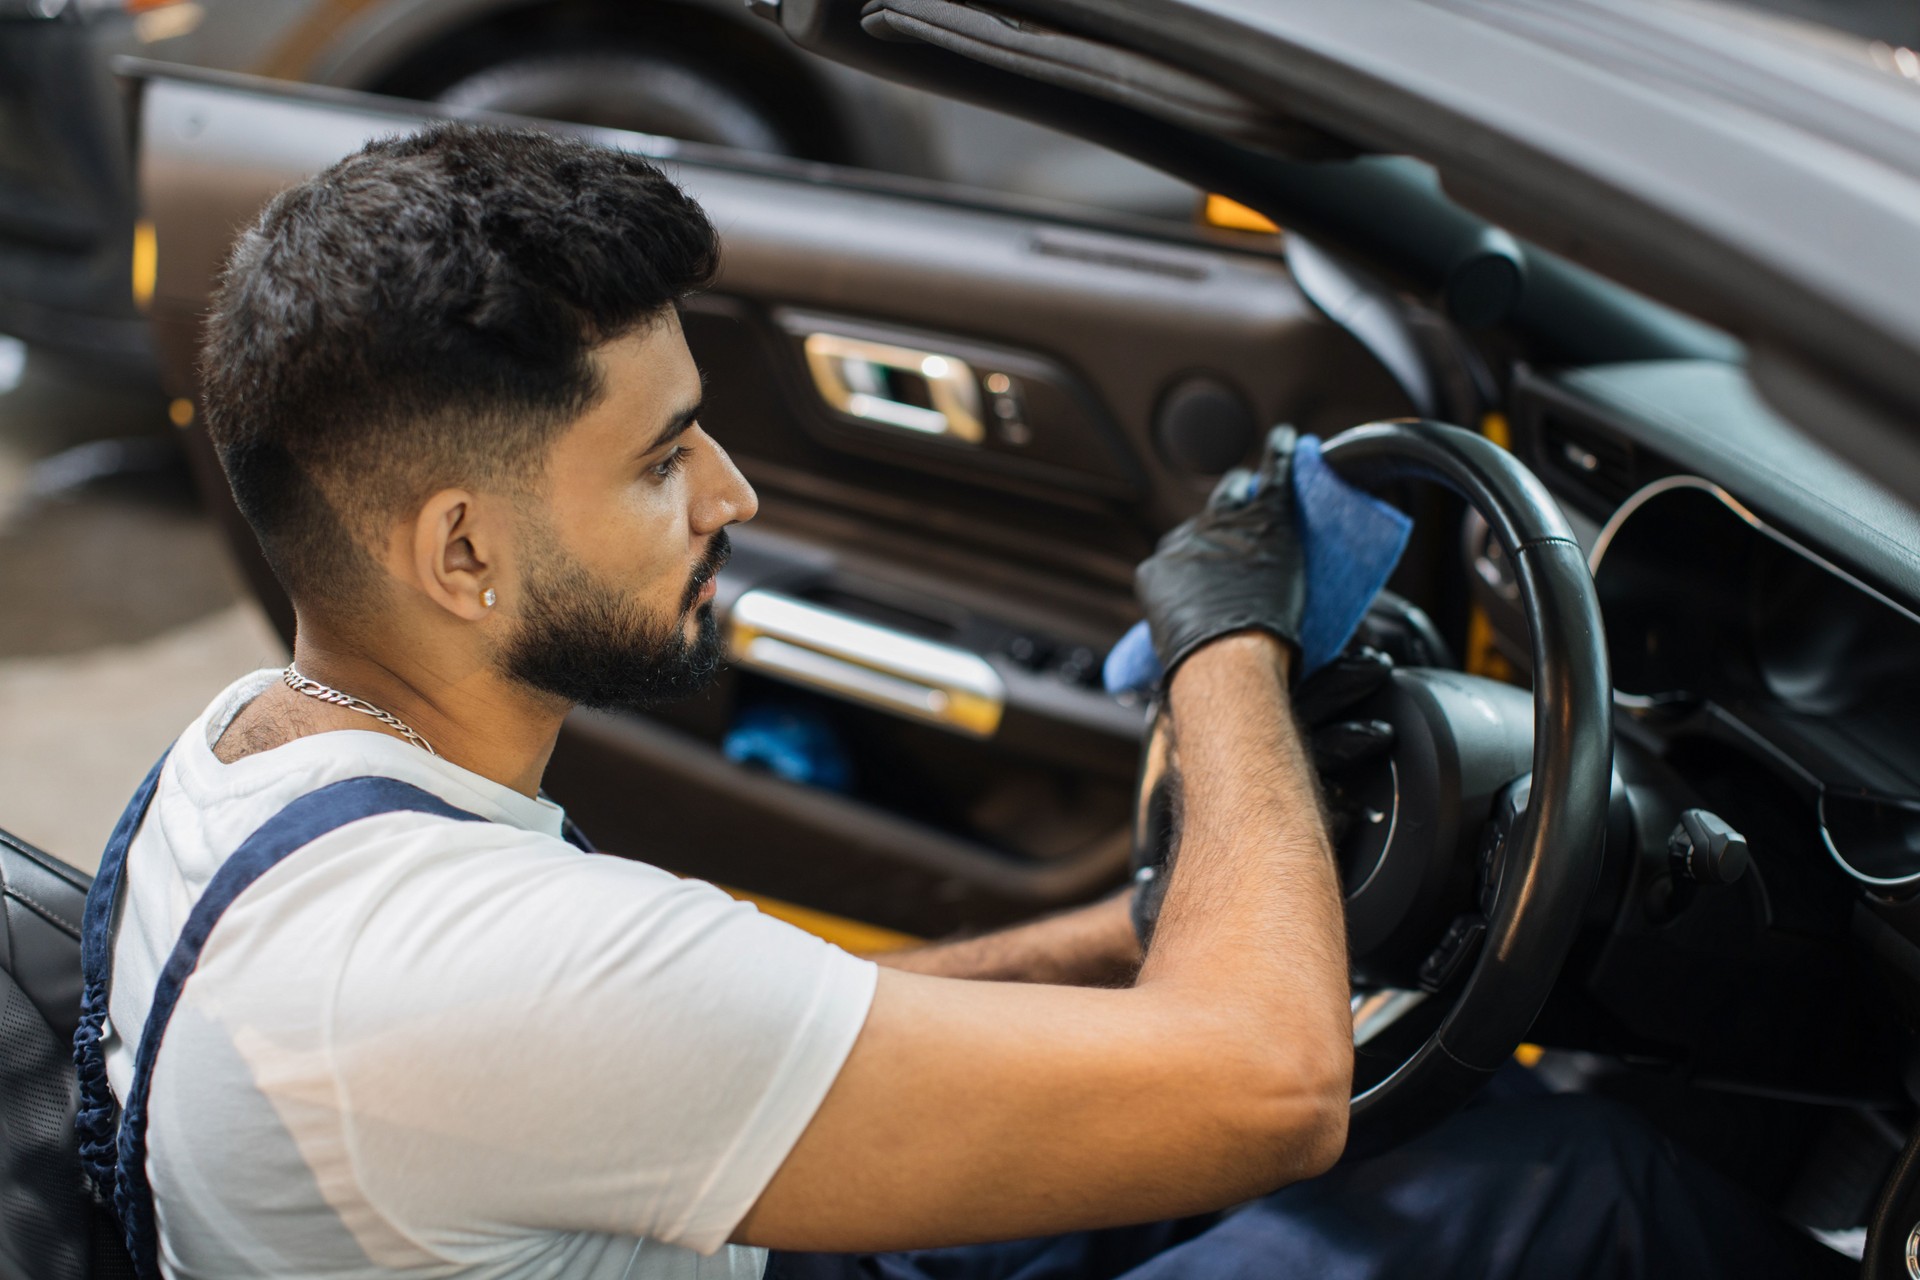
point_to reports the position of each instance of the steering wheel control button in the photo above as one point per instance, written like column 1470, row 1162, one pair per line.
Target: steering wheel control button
column 1507, row 808
column 1703, row 849
column 1457, row 946
column 1493, row 852
column 1346, row 743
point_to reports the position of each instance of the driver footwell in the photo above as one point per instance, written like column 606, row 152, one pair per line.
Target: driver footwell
column 1553, row 1187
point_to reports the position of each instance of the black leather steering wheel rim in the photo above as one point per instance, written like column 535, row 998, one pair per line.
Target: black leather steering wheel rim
column 1554, row 851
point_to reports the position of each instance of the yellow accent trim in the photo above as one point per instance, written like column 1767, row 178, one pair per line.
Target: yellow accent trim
column 854, row 935
column 1483, row 656
column 1218, row 211
column 146, row 263
column 1529, row 1055
column 180, row 412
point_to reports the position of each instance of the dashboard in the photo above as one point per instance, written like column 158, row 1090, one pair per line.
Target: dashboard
column 1760, row 599
column 1708, row 606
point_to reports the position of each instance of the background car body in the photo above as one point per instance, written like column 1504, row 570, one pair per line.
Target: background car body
column 705, row 70
column 66, row 206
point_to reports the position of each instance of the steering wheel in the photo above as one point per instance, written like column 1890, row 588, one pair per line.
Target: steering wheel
column 1468, row 877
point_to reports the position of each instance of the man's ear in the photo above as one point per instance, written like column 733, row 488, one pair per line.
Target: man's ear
column 453, row 551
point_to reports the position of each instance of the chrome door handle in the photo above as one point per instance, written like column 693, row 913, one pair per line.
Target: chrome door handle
column 869, row 381
column 879, row 666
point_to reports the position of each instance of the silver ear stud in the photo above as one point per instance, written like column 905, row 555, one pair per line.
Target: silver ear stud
column 488, row 596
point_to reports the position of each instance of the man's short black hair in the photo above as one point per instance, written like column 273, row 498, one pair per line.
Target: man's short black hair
column 421, row 315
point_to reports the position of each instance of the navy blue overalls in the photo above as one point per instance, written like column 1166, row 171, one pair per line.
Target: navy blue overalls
column 1560, row 1187
column 113, row 1139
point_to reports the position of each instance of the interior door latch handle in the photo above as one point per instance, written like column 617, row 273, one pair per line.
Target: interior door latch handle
column 899, row 387
column 802, row 643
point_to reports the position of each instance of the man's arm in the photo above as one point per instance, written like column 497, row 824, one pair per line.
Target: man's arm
column 980, row 1110
column 1091, row 946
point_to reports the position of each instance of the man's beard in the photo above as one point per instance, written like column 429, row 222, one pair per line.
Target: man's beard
column 587, row 644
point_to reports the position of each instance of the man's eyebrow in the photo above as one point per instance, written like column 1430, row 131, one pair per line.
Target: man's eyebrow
column 675, row 425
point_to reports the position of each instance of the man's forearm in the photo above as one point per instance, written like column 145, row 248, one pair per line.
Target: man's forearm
column 1088, row 946
column 1253, row 911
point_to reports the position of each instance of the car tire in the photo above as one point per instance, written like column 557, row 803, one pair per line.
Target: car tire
column 639, row 91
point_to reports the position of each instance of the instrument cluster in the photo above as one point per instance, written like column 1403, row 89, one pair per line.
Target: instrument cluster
column 1720, row 625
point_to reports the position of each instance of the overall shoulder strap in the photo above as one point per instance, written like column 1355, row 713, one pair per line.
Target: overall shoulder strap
column 98, row 1113
column 305, row 820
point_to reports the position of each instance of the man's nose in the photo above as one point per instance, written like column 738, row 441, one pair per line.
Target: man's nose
column 725, row 496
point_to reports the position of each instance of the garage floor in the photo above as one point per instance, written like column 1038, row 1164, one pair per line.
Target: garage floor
column 120, row 613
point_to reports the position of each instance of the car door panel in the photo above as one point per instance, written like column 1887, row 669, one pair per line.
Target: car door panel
column 922, row 604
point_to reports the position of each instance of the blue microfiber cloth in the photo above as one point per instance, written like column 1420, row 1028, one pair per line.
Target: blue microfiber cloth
column 1352, row 542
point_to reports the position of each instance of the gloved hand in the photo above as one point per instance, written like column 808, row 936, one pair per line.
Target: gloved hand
column 1236, row 566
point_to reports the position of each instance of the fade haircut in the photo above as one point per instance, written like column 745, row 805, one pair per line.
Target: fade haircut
column 421, row 316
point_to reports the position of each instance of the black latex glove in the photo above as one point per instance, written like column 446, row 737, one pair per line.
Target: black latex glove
column 1236, row 566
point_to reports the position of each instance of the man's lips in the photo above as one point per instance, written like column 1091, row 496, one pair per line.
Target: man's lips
column 700, row 588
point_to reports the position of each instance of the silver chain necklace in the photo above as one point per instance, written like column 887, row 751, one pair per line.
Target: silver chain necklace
column 314, row 689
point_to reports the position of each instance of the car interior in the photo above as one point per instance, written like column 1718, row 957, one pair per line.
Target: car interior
column 1652, row 823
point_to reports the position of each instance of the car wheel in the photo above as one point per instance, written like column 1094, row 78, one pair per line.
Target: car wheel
column 643, row 92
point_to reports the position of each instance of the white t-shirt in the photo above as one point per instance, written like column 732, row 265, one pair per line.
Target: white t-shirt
column 432, row 1047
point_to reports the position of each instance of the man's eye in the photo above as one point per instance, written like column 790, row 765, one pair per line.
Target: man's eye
column 669, row 466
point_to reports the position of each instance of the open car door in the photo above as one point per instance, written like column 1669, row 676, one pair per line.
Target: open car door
column 966, row 417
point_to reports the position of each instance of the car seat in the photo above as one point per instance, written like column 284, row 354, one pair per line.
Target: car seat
column 50, row 1227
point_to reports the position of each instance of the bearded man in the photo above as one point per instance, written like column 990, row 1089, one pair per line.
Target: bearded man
column 358, row 1002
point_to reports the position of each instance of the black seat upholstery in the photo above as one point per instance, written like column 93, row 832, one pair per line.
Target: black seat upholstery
column 49, row 1227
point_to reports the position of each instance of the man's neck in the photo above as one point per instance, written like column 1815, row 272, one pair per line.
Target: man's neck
column 471, row 715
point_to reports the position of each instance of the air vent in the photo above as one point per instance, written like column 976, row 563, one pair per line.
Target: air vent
column 1602, row 465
